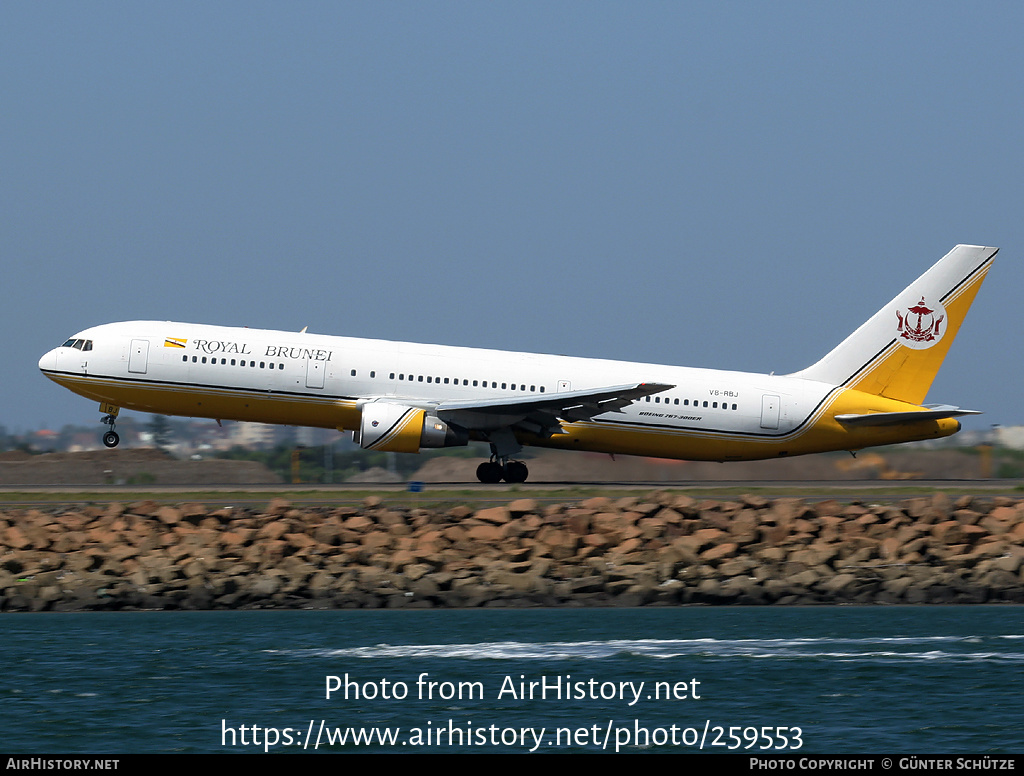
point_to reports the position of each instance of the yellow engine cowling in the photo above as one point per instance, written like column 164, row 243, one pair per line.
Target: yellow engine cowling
column 399, row 428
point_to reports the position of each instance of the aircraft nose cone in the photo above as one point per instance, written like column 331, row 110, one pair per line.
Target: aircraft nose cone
column 49, row 361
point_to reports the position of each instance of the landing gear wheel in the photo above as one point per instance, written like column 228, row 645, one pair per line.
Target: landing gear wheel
column 489, row 472
column 516, row 471
column 110, row 439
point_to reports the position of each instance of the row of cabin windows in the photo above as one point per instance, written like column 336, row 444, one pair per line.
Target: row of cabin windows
column 241, row 362
column 425, row 378
column 533, row 388
column 455, row 381
column 373, row 374
column 686, row 403
column 451, row 381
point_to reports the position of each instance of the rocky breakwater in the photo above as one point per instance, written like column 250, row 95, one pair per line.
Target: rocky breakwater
column 659, row 549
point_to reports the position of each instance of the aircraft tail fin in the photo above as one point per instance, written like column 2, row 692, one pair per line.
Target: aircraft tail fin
column 899, row 350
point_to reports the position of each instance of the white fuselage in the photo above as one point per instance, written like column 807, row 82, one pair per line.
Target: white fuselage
column 316, row 380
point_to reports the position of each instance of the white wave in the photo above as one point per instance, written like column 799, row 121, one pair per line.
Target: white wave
column 871, row 648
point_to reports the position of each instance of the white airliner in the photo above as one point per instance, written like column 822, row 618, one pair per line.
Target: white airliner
column 403, row 397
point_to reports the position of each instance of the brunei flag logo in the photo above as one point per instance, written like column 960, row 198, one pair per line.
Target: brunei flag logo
column 175, row 342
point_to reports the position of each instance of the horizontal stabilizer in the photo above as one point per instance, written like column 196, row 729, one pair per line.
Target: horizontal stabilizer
column 938, row 412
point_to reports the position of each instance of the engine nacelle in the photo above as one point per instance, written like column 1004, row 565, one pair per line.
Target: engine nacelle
column 399, row 428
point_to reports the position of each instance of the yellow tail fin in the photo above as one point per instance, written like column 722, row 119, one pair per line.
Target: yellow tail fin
column 899, row 350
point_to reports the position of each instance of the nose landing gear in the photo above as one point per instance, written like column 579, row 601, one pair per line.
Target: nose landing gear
column 110, row 438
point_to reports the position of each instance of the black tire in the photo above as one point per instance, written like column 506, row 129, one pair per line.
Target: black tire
column 489, row 472
column 516, row 471
column 110, row 439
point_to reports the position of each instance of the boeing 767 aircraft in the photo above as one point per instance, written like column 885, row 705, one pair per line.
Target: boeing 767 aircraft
column 403, row 397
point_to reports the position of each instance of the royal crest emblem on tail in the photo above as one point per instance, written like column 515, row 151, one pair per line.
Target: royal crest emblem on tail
column 924, row 331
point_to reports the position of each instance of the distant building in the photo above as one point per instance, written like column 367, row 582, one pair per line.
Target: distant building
column 1009, row 436
column 252, row 435
column 44, row 440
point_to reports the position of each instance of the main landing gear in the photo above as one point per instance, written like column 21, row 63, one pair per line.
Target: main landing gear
column 503, row 446
column 110, row 439
column 495, row 471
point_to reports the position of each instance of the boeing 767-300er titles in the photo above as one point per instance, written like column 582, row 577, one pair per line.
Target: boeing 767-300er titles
column 403, row 397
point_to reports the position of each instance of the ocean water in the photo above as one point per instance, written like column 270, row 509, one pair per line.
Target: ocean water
column 813, row 680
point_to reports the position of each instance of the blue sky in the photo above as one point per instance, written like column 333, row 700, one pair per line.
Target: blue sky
column 732, row 185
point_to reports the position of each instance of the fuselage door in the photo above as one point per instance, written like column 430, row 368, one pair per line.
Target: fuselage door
column 770, row 411
column 564, row 385
column 315, row 373
column 138, row 356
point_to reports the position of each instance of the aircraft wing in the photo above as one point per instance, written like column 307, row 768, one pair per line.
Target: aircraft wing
column 541, row 413
column 937, row 412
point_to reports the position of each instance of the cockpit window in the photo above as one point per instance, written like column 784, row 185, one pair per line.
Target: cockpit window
column 79, row 344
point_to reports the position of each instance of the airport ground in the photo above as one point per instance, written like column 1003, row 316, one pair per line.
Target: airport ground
column 901, row 468
column 129, row 475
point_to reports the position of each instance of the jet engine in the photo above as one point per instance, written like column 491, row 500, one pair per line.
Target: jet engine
column 399, row 428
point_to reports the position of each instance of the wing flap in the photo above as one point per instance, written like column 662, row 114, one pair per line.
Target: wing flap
column 541, row 413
